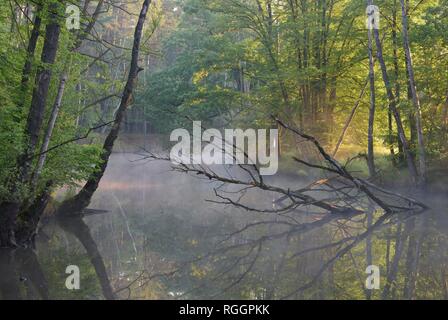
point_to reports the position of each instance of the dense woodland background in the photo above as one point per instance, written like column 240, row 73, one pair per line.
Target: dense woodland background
column 232, row 62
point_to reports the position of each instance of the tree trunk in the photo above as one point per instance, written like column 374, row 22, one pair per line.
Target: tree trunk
column 60, row 94
column 82, row 199
column 394, row 110
column 29, row 219
column 370, row 151
column 32, row 43
column 397, row 88
column 49, row 130
column 30, row 268
column 10, row 208
column 445, row 118
column 415, row 98
column 9, row 280
column 40, row 94
column 350, row 118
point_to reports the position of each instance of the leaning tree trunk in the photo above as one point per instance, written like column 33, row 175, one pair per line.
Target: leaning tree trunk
column 393, row 107
column 415, row 98
column 82, row 199
column 350, row 119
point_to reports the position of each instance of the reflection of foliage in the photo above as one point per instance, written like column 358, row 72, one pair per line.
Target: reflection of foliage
column 253, row 256
column 55, row 265
column 174, row 236
column 271, row 261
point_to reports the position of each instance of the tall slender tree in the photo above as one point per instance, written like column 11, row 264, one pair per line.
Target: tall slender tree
column 414, row 94
column 393, row 107
column 370, row 152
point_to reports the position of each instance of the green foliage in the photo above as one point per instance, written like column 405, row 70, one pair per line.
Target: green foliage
column 306, row 64
column 68, row 163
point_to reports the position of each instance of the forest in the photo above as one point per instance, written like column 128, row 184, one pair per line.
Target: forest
column 91, row 91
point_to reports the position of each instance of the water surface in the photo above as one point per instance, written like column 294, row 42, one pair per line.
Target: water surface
column 161, row 239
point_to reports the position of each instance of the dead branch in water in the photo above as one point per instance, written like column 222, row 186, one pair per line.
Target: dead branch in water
column 358, row 183
column 342, row 193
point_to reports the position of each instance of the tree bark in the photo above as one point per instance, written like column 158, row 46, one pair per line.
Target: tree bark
column 30, row 268
column 40, row 94
column 397, row 89
column 49, row 130
column 60, row 94
column 32, row 43
column 29, row 219
column 445, row 118
column 10, row 208
column 393, row 107
column 370, row 151
column 415, row 98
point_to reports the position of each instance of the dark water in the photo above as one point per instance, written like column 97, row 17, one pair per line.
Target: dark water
column 161, row 239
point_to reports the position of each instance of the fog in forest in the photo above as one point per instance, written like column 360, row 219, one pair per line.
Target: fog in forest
column 155, row 236
column 350, row 96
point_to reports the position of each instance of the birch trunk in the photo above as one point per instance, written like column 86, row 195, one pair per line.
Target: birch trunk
column 415, row 98
column 393, row 107
column 50, row 127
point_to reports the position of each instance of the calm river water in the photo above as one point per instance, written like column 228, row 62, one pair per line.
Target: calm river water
column 159, row 238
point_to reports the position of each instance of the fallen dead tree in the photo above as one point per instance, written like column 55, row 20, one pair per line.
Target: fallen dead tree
column 339, row 192
column 372, row 191
column 339, row 200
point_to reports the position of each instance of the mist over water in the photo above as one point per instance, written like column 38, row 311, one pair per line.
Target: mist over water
column 160, row 238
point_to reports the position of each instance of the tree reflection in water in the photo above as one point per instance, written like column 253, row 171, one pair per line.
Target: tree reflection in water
column 22, row 272
column 160, row 240
column 22, row 276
